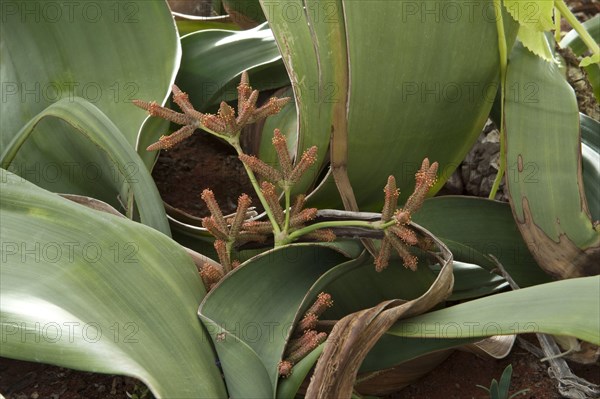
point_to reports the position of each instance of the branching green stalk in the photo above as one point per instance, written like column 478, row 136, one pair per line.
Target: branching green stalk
column 376, row 225
column 575, row 24
column 259, row 194
column 557, row 18
column 503, row 51
column 287, row 193
column 230, row 139
column 228, row 247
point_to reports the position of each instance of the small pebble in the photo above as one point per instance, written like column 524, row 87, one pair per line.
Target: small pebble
column 35, row 395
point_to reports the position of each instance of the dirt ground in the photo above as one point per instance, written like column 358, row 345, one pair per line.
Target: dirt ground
column 203, row 162
column 455, row 378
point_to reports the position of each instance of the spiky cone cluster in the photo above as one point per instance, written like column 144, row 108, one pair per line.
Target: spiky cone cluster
column 307, row 338
column 211, row 275
column 284, row 178
column 224, row 124
column 400, row 236
column 287, row 175
column 227, row 231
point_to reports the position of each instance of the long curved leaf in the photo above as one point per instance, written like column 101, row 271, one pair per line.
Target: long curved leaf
column 590, row 157
column 213, row 61
column 185, row 26
column 544, row 179
column 92, row 291
column 541, row 309
column 95, row 127
column 363, row 287
column 106, row 52
column 474, row 228
column 438, row 75
column 314, row 50
column 535, row 309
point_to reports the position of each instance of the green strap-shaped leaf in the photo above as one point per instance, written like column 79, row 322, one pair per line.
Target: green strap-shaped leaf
column 94, row 127
column 310, row 36
column 435, row 89
column 473, row 281
column 544, row 168
column 187, row 26
column 392, row 350
column 363, row 287
column 568, row 307
column 590, row 154
column 266, row 296
column 92, row 291
column 213, row 61
column 108, row 53
column 474, row 228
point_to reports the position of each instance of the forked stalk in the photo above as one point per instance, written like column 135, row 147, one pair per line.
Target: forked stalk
column 256, row 187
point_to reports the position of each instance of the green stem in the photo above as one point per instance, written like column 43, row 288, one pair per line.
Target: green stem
column 575, row 24
column 259, row 194
column 228, row 247
column 377, row 225
column 557, row 25
column 503, row 51
column 230, row 139
column 287, row 192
